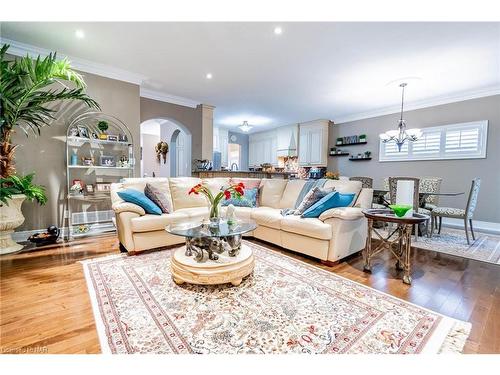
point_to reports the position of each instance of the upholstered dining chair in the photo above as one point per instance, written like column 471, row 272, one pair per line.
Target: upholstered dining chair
column 431, row 185
column 366, row 182
column 457, row 213
column 393, row 185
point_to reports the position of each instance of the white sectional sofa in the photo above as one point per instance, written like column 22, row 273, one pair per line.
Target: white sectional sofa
column 336, row 234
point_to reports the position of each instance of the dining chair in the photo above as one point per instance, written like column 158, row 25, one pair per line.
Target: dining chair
column 393, row 184
column 366, row 182
column 458, row 213
column 431, row 184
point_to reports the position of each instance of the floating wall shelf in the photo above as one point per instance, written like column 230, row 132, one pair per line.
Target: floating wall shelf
column 359, row 159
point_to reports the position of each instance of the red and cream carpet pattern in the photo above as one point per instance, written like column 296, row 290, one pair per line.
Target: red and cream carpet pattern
column 285, row 306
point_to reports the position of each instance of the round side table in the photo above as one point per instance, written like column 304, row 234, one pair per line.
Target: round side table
column 401, row 237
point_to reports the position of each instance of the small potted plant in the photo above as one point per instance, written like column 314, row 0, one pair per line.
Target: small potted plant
column 339, row 141
column 362, row 138
column 368, row 154
column 103, row 126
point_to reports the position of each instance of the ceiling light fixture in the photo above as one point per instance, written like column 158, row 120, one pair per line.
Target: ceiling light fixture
column 245, row 127
column 79, row 34
column 278, row 30
column 401, row 135
column 209, row 76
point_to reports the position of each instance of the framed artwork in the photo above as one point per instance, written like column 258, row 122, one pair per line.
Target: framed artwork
column 107, row 161
column 89, row 188
column 88, row 161
column 84, row 131
column 103, row 186
column 77, row 181
column 122, row 138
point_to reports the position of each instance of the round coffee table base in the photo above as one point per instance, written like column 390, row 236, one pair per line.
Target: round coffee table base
column 187, row 270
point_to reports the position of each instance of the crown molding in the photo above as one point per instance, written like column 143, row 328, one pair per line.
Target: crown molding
column 23, row 49
column 168, row 98
column 410, row 106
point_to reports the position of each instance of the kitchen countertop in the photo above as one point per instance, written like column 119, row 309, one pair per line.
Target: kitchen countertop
column 258, row 174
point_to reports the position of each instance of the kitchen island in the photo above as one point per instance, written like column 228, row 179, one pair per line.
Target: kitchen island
column 242, row 174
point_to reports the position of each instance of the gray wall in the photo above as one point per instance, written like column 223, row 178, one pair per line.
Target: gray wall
column 150, row 161
column 46, row 155
column 189, row 117
column 456, row 174
column 242, row 140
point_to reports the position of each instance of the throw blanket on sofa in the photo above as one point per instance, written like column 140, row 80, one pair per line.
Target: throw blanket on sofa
column 309, row 185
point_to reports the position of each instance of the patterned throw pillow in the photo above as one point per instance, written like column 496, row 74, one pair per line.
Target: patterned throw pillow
column 158, row 197
column 249, row 199
column 313, row 196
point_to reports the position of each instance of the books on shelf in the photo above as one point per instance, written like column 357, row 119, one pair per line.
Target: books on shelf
column 351, row 139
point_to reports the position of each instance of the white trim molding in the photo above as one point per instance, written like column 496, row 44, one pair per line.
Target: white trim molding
column 479, row 226
column 87, row 66
column 23, row 49
column 168, row 98
column 447, row 99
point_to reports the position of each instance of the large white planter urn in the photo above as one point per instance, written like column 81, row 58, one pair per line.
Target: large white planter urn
column 10, row 218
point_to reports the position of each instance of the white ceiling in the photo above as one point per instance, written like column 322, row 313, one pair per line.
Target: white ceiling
column 337, row 71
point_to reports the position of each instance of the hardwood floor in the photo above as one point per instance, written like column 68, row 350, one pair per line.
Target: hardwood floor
column 45, row 308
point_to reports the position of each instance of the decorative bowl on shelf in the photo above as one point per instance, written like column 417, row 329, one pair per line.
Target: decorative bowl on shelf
column 400, row 210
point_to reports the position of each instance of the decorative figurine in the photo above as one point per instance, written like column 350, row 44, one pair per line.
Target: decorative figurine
column 230, row 215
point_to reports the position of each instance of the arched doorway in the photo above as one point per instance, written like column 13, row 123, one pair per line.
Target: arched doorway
column 178, row 138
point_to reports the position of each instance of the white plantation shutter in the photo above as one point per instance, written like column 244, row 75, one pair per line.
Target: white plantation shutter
column 457, row 141
column 391, row 151
column 429, row 145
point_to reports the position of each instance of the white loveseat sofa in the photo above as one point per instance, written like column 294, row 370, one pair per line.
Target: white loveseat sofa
column 336, row 234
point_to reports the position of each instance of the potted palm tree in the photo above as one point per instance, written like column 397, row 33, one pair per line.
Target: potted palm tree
column 27, row 87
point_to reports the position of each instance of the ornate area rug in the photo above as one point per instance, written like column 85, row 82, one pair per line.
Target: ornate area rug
column 285, row 306
column 485, row 248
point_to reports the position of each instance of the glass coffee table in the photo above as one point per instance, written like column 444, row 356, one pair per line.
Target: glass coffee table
column 212, row 254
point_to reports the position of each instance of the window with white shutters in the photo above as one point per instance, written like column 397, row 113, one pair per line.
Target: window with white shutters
column 456, row 141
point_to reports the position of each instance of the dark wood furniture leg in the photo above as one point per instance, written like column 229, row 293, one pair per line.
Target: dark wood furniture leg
column 472, row 230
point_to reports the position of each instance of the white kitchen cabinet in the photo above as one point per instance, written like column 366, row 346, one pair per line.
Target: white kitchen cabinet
column 313, row 143
column 221, row 142
column 287, row 140
column 263, row 148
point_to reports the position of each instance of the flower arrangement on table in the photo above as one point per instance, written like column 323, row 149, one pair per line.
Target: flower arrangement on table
column 232, row 191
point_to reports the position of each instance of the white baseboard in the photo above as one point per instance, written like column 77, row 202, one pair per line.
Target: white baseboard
column 479, row 226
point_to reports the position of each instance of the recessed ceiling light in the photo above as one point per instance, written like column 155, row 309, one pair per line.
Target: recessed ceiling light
column 209, row 76
column 79, row 34
column 278, row 30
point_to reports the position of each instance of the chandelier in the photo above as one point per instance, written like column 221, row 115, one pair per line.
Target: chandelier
column 401, row 135
column 245, row 127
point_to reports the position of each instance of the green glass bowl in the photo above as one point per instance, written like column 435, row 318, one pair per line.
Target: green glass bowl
column 400, row 209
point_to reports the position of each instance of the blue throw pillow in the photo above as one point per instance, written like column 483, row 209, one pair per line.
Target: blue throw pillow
column 140, row 199
column 332, row 200
column 249, row 199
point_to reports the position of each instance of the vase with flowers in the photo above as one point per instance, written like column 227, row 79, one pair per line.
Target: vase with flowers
column 232, row 191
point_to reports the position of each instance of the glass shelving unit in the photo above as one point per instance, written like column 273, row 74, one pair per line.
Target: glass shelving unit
column 94, row 163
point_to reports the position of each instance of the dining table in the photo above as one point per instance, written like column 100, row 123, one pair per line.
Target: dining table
column 379, row 196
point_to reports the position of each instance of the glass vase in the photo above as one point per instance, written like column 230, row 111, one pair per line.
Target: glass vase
column 214, row 215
